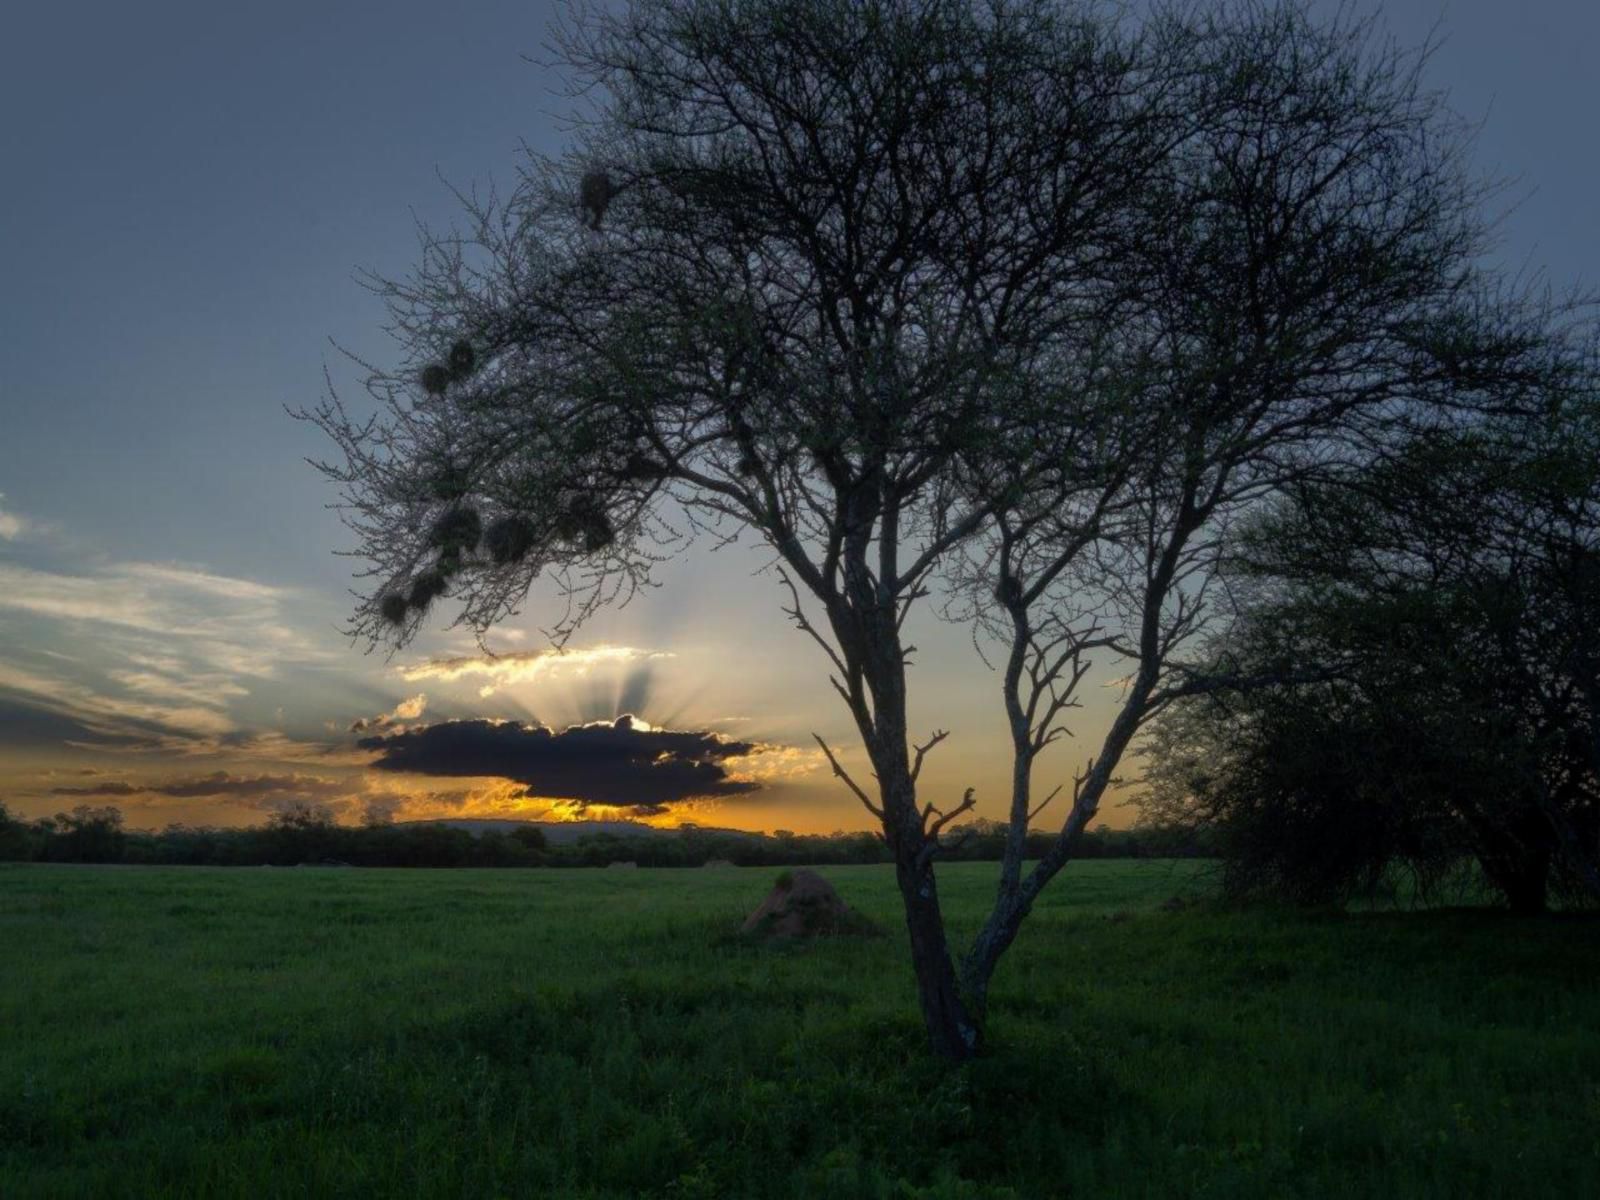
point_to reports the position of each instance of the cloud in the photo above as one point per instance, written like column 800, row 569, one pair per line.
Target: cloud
column 111, row 787
column 380, row 808
column 221, row 783
column 207, row 691
column 26, row 723
column 217, row 784
column 525, row 665
column 406, row 710
column 622, row 763
column 171, row 646
column 410, row 710
column 148, row 597
column 774, row 763
column 111, row 718
column 11, row 525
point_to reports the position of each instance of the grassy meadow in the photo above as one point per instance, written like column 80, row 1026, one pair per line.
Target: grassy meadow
column 327, row 1032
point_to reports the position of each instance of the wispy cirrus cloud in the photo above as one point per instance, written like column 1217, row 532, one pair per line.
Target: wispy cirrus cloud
column 236, row 624
column 114, row 717
column 161, row 652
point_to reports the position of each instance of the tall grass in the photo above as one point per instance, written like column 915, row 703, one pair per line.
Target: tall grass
column 352, row 1033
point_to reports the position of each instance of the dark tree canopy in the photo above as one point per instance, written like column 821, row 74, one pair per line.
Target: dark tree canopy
column 1431, row 625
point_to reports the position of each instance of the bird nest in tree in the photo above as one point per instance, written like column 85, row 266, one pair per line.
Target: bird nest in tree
column 458, row 529
column 586, row 525
column 595, row 192
column 450, row 562
column 393, row 608
column 426, row 588
column 448, row 482
column 509, row 539
column 435, row 379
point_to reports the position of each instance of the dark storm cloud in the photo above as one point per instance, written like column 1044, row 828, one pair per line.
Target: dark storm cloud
column 219, row 783
column 611, row 763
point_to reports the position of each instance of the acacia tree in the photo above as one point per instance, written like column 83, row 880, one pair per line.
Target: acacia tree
column 801, row 257
column 873, row 280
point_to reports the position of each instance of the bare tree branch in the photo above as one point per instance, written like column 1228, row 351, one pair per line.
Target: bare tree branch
column 849, row 782
column 939, row 735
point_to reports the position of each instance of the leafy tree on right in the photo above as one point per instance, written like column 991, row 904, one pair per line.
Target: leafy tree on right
column 1430, row 628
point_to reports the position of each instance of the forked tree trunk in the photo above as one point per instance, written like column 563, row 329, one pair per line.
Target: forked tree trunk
column 1581, row 863
column 1515, row 855
column 1527, row 891
column 993, row 940
column 953, row 1032
column 1524, row 882
column 868, row 631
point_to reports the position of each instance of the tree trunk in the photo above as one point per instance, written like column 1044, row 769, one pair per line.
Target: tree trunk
column 1518, row 864
column 993, row 940
column 953, row 1033
column 1526, row 890
column 1582, row 865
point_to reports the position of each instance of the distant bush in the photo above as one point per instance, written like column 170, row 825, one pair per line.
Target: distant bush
column 86, row 834
column 15, row 842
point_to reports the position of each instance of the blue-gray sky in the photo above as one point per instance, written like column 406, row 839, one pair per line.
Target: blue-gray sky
column 188, row 191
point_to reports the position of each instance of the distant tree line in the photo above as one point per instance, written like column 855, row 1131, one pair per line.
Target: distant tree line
column 307, row 835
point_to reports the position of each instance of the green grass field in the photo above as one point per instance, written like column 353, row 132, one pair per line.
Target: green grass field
column 599, row 1033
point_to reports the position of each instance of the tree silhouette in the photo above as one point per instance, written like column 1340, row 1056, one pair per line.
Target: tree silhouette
column 899, row 282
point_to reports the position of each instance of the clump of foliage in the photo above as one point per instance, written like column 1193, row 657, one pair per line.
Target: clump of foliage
column 595, row 193
column 1420, row 646
column 509, row 539
column 393, row 607
column 15, row 842
column 434, row 379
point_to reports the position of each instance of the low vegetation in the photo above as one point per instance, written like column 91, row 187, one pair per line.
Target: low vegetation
column 609, row 1034
column 309, row 836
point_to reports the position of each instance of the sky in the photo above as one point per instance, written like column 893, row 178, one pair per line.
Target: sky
column 190, row 191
